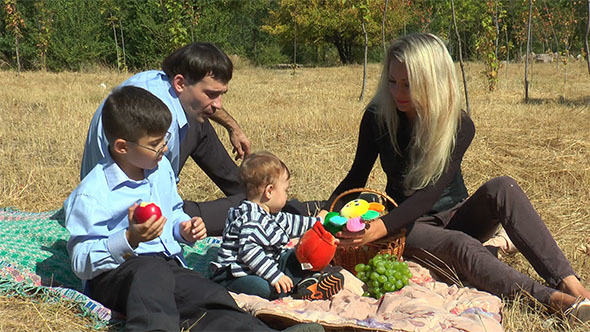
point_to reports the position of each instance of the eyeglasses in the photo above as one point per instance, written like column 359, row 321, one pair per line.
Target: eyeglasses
column 160, row 150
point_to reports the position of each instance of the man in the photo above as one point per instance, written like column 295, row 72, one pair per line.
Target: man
column 191, row 83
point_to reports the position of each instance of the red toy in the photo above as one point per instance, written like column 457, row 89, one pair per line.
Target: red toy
column 145, row 210
column 316, row 248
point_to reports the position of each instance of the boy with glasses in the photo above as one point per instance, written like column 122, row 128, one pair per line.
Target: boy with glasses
column 135, row 268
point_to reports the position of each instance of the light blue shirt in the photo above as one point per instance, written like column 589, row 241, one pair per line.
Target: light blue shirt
column 96, row 217
column 158, row 84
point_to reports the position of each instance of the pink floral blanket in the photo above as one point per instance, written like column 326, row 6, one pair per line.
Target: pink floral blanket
column 424, row 305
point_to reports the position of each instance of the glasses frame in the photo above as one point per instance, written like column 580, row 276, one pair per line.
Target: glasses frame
column 160, row 150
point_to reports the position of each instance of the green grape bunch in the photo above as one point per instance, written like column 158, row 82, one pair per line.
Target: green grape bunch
column 383, row 273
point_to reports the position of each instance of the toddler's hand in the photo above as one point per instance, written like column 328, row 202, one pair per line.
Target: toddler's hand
column 284, row 283
column 194, row 229
column 146, row 231
column 322, row 214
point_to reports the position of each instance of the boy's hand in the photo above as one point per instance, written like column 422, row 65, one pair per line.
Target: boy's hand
column 147, row 231
column 285, row 283
column 194, row 229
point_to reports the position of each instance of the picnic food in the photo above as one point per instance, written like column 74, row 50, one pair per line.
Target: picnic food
column 383, row 273
column 145, row 210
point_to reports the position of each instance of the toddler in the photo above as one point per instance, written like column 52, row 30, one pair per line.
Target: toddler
column 253, row 258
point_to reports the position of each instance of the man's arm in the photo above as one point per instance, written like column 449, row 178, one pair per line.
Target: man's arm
column 238, row 138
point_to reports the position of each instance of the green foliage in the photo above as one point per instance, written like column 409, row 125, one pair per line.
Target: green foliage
column 487, row 42
column 270, row 54
column 138, row 34
column 320, row 23
column 85, row 43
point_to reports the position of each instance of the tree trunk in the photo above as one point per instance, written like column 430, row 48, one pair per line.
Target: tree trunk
column 586, row 39
column 383, row 29
column 528, row 50
column 507, row 47
column 123, row 46
column 460, row 58
column 365, row 62
column 295, row 49
column 342, row 49
column 17, row 54
column 116, row 44
column 497, row 25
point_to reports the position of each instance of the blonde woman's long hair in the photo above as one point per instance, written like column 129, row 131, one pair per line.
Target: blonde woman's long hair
column 436, row 96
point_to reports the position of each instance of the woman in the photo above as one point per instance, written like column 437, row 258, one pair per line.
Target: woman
column 415, row 125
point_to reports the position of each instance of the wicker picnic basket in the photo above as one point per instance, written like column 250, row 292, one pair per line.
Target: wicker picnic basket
column 348, row 258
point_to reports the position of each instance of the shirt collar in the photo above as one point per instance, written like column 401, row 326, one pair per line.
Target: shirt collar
column 180, row 116
column 115, row 176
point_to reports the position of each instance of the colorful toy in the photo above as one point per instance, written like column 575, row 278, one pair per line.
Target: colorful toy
column 145, row 210
column 353, row 216
column 316, row 248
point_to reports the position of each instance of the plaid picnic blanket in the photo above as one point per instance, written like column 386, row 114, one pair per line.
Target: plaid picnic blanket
column 34, row 260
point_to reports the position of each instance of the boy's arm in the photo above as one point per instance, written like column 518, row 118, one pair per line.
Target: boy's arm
column 297, row 225
column 252, row 239
column 97, row 241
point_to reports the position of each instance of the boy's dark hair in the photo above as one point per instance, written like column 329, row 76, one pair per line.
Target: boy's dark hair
column 197, row 60
column 130, row 113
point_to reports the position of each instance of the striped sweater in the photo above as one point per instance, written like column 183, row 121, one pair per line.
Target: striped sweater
column 254, row 239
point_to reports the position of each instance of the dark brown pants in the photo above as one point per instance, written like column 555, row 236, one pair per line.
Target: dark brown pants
column 456, row 236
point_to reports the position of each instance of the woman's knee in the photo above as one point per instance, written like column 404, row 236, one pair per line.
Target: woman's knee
column 500, row 183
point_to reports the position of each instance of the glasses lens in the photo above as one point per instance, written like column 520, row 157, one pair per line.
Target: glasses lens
column 166, row 139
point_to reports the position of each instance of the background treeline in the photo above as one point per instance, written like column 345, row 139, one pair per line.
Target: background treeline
column 75, row 35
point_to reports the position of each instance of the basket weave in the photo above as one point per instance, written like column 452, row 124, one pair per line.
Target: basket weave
column 348, row 258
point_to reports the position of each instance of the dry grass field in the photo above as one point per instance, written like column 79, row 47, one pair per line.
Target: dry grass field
column 310, row 119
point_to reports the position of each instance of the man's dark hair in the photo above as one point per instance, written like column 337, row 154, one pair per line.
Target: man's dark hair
column 130, row 113
column 197, row 60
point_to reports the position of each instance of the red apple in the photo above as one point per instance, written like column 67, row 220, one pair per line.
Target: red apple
column 145, row 210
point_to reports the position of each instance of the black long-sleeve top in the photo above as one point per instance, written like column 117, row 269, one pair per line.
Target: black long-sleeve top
column 439, row 196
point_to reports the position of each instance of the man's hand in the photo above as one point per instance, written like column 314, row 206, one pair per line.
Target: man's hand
column 374, row 231
column 238, row 138
column 284, row 283
column 146, row 231
column 193, row 230
column 240, row 142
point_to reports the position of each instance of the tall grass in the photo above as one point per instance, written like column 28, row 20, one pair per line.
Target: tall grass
column 310, row 119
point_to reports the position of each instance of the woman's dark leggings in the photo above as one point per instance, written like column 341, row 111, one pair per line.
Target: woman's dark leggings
column 457, row 240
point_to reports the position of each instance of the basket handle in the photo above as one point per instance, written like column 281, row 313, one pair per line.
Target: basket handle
column 361, row 190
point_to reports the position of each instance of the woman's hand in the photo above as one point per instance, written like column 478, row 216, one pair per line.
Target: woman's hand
column 374, row 231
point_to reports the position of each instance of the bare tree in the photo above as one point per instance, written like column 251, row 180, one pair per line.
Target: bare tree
column 365, row 61
column 528, row 50
column 116, row 43
column 123, row 45
column 461, row 58
column 383, row 28
column 586, row 39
